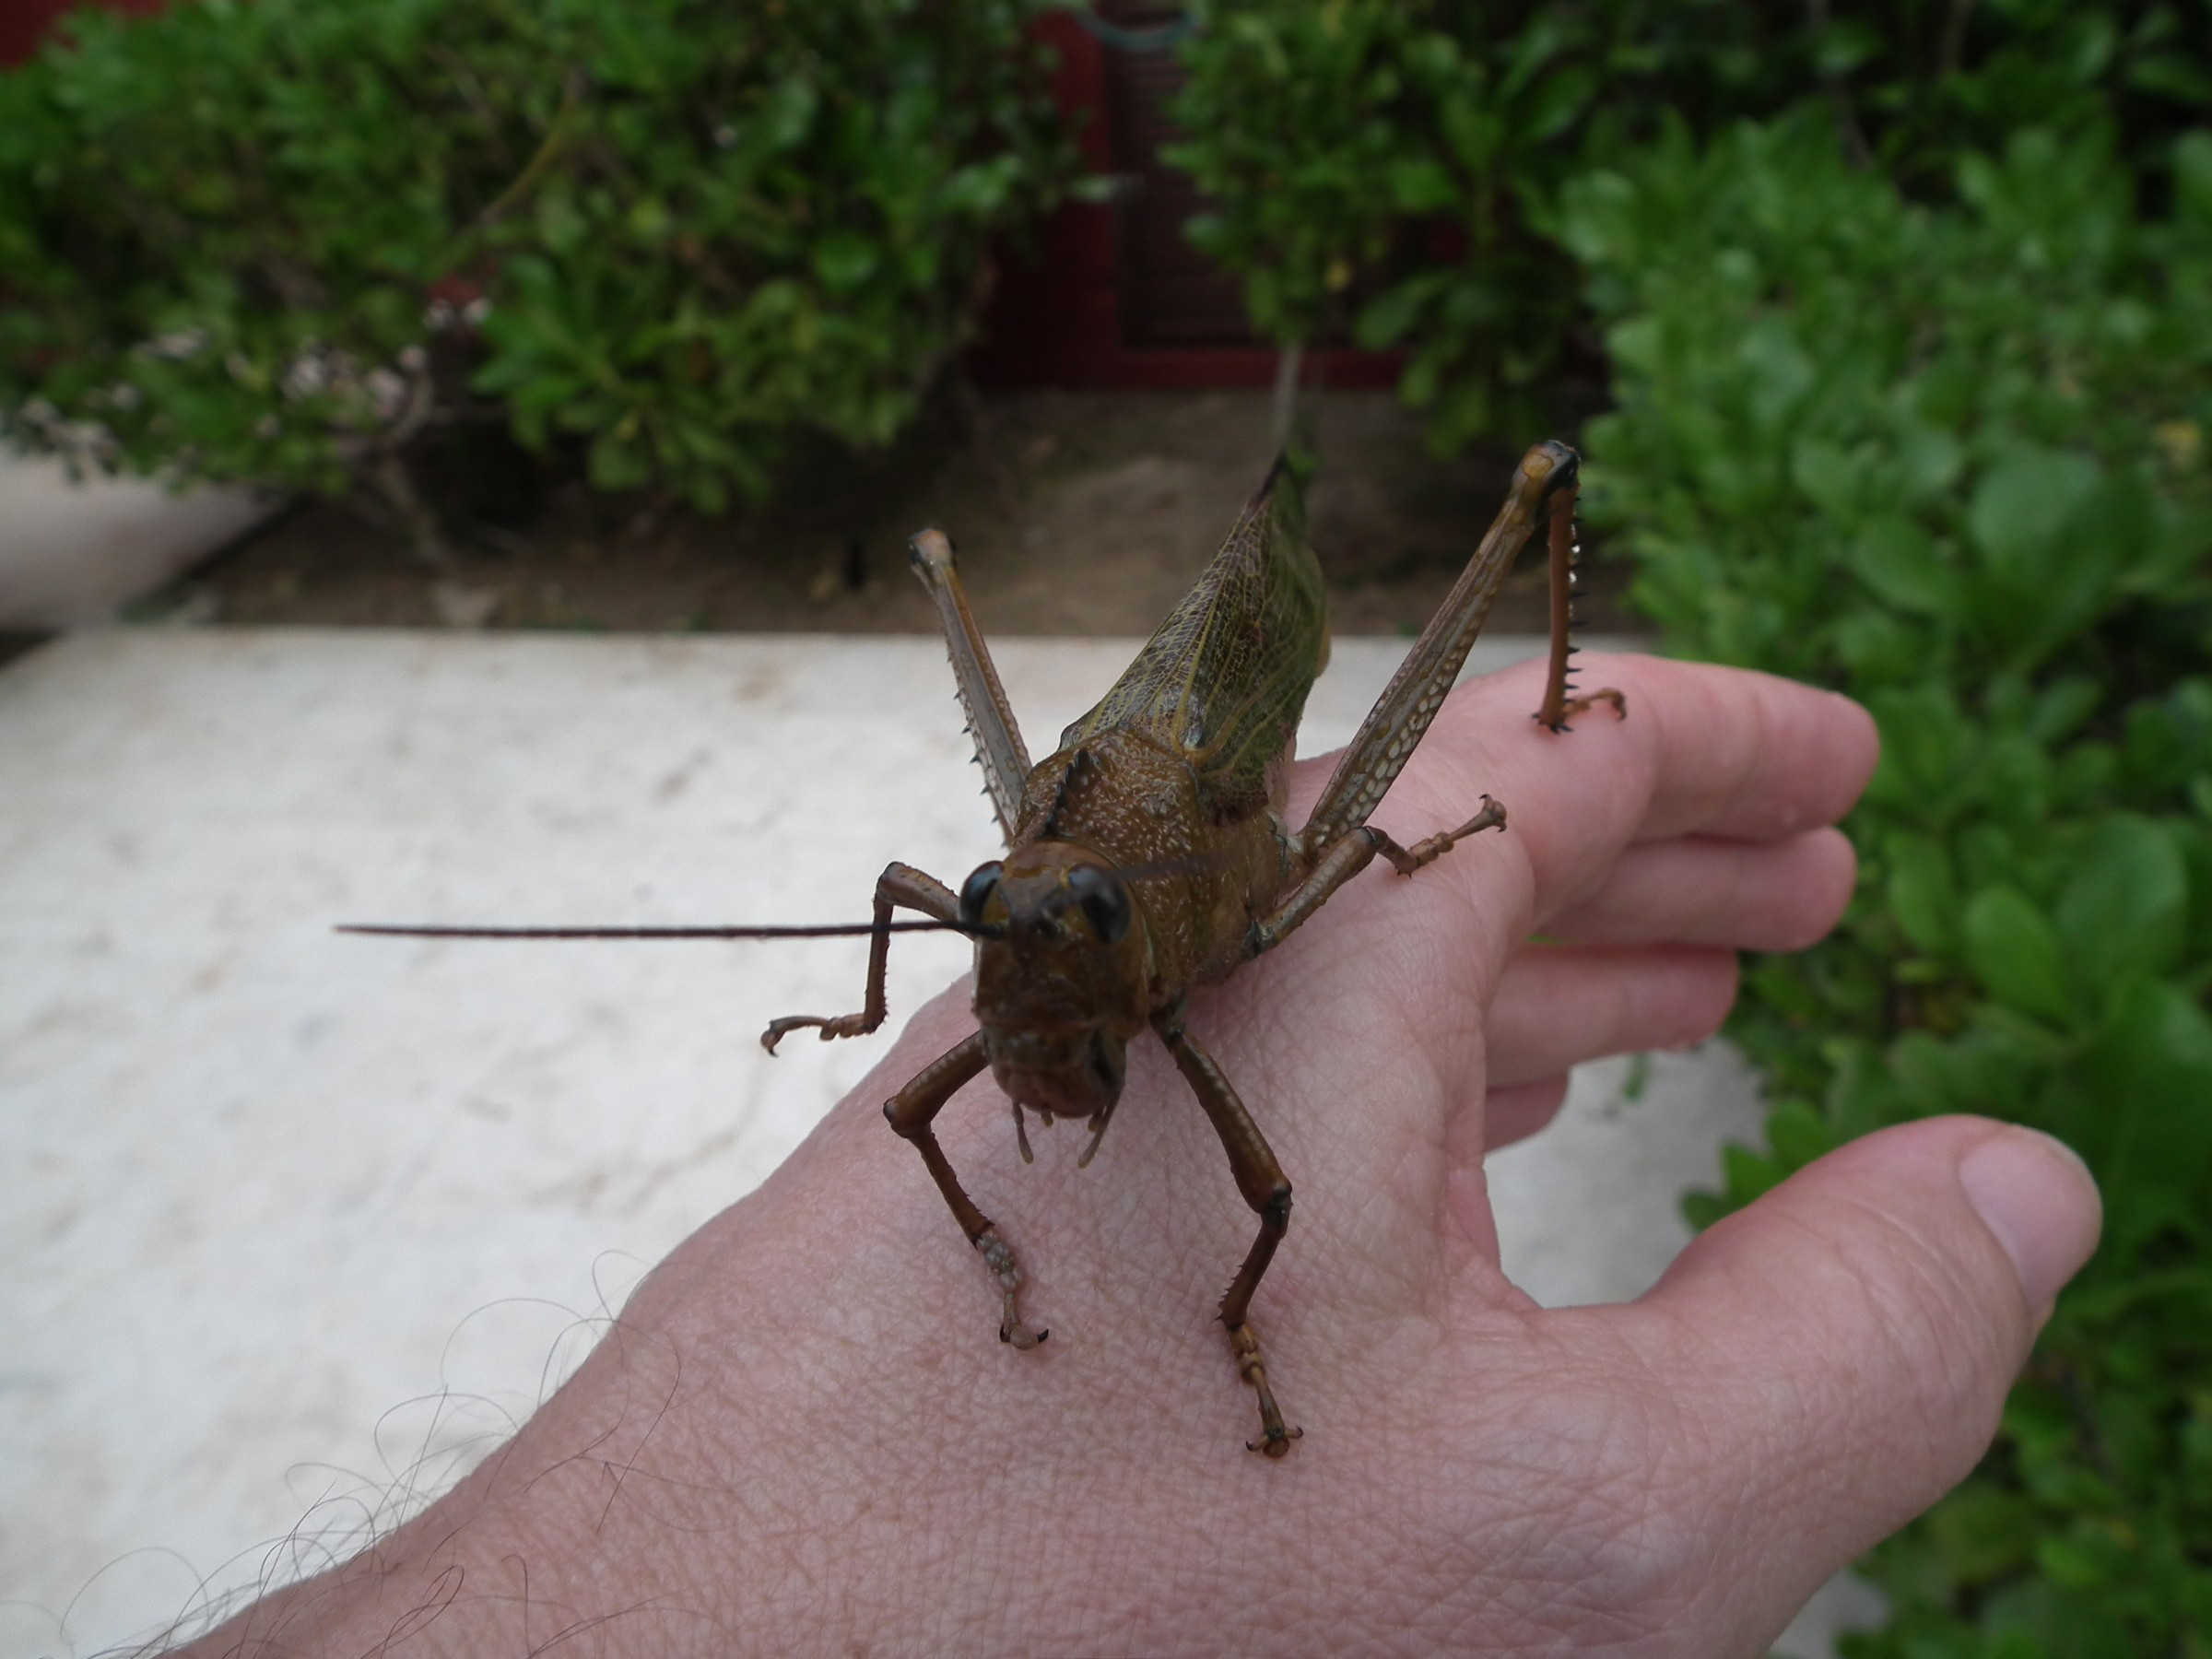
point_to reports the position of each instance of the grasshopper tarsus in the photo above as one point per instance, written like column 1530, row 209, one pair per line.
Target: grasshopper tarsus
column 1558, row 708
column 1274, row 1439
column 999, row 1258
column 1407, row 860
column 829, row 1026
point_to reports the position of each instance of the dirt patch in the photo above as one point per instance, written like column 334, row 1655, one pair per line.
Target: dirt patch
column 1075, row 514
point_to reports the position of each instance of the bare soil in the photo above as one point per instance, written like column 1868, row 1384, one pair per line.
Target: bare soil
column 1074, row 513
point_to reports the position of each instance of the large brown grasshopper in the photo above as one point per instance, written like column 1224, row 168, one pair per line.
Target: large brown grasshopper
column 1148, row 856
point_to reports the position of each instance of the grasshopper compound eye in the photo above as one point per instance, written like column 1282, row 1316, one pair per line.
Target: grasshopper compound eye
column 1104, row 900
column 975, row 892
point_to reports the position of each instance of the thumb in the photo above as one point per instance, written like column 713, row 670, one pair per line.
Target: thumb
column 1843, row 1346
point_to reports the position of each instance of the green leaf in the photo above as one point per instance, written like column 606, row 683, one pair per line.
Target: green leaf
column 1899, row 561
column 1390, row 314
column 2126, row 908
column 2150, row 1139
column 2014, row 951
column 2023, row 504
column 1422, row 184
column 1829, row 476
column 615, row 462
column 845, row 259
column 1747, row 1174
column 1921, row 894
column 1797, row 1135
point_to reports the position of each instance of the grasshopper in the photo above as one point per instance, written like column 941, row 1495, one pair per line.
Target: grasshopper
column 1148, row 856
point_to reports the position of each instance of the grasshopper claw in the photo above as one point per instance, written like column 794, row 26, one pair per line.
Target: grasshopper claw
column 1274, row 1439
column 1000, row 1260
column 841, row 1025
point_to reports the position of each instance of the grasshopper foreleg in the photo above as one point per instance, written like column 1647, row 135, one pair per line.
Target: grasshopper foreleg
column 1260, row 1178
column 898, row 884
column 911, row 1112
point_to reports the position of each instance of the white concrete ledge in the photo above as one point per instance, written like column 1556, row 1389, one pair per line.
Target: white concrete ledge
column 72, row 552
column 298, row 1223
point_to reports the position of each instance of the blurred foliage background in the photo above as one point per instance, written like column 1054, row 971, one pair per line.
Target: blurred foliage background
column 1903, row 314
column 314, row 245
column 1899, row 314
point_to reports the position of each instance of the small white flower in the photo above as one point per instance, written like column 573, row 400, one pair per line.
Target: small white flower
column 178, row 345
column 389, row 391
column 439, row 316
column 475, row 310
column 307, row 375
column 414, row 360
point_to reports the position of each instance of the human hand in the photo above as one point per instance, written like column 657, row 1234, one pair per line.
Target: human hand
column 802, row 1437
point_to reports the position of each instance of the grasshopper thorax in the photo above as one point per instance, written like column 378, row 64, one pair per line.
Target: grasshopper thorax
column 1061, row 974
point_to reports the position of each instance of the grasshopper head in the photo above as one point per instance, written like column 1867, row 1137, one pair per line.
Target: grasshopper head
column 1060, row 975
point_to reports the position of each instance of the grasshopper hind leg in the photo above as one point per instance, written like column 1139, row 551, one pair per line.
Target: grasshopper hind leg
column 1566, row 551
column 1569, row 707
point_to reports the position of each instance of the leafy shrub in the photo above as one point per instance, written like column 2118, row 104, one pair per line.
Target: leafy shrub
column 1346, row 145
column 292, row 241
column 1956, row 461
column 1388, row 168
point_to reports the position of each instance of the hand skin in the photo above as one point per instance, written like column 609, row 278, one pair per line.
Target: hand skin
column 803, row 1437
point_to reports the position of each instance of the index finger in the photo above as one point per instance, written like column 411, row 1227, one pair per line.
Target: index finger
column 1728, row 751
column 1704, row 749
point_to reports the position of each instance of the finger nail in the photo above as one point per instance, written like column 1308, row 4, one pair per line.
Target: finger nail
column 2039, row 1200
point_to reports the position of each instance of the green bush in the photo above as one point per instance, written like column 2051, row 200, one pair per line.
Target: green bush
column 1958, row 461
column 1387, row 170
column 294, row 242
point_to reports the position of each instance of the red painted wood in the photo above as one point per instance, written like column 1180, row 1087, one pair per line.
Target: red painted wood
column 1056, row 316
column 24, row 23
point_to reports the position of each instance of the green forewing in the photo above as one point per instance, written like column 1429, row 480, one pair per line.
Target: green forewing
column 1225, row 678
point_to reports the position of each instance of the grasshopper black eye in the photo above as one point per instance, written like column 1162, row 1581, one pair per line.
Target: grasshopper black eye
column 975, row 892
column 1103, row 900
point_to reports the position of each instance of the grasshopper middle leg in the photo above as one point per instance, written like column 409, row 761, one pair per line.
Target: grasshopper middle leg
column 1260, row 1178
column 911, row 1112
column 1348, row 855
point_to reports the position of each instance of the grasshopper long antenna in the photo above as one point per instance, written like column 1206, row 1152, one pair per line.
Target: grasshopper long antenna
column 836, row 930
